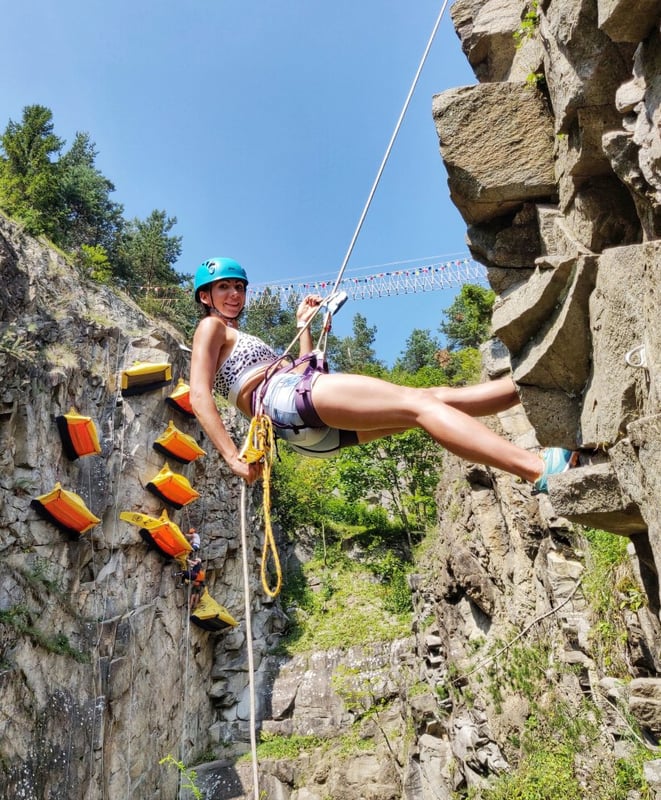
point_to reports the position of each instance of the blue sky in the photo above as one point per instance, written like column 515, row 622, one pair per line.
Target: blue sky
column 260, row 126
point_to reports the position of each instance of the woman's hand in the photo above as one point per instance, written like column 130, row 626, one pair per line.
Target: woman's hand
column 306, row 309
column 249, row 472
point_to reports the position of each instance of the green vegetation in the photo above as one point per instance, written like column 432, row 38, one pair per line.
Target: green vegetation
column 529, row 24
column 562, row 756
column 611, row 589
column 561, row 751
column 62, row 195
column 367, row 510
column 277, row 746
column 355, row 602
column 187, row 777
column 520, row 668
column 19, row 617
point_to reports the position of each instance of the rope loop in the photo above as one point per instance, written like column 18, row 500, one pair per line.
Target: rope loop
column 259, row 446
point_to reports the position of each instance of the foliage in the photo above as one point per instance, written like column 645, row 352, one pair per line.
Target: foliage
column 19, row 617
column 94, row 262
column 303, row 488
column 610, row 588
column 89, row 217
column 17, row 344
column 188, row 777
column 64, row 196
column 349, row 607
column 29, row 185
column 272, row 323
column 559, row 757
column 521, row 668
column 273, row 745
column 355, row 353
column 420, row 352
column 469, row 317
column 146, row 253
column 529, row 24
column 403, row 466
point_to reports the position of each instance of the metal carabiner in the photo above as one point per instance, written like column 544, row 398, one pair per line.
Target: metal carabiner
column 636, row 357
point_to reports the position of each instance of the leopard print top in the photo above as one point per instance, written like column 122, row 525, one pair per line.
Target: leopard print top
column 247, row 353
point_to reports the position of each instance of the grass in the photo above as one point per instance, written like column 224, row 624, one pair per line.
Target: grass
column 610, row 588
column 562, row 756
column 19, row 617
column 357, row 602
column 276, row 746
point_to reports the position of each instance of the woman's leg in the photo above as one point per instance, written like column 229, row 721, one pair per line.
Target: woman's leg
column 480, row 399
column 363, row 403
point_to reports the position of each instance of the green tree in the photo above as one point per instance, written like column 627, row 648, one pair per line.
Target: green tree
column 303, row 487
column 469, row 317
column 29, row 175
column 274, row 324
column 405, row 466
column 93, row 260
column 356, row 353
column 147, row 253
column 421, row 350
column 89, row 217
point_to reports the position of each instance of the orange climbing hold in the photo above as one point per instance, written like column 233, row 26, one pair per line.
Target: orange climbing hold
column 144, row 376
column 78, row 434
column 178, row 445
column 180, row 399
column 66, row 510
column 172, row 488
column 161, row 533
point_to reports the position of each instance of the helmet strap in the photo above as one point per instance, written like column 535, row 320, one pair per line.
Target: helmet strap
column 229, row 321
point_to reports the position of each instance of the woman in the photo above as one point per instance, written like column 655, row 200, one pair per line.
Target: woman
column 317, row 412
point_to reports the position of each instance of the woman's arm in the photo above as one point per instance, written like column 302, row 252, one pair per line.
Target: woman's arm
column 305, row 310
column 210, row 336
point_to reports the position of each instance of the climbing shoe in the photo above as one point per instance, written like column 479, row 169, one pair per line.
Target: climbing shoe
column 556, row 460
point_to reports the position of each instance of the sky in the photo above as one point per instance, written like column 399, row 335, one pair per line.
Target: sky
column 261, row 127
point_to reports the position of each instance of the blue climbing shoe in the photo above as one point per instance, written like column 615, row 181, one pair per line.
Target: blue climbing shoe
column 556, row 460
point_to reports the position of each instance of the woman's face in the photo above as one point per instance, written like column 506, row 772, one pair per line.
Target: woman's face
column 227, row 296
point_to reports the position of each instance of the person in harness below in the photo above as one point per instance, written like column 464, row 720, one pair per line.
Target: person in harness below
column 319, row 412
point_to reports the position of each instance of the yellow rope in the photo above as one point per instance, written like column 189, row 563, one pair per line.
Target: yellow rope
column 259, row 446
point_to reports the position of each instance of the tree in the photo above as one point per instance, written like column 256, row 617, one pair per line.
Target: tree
column 403, row 467
column 469, row 317
column 147, row 253
column 89, row 217
column 274, row 324
column 421, row 349
column 29, row 177
column 356, row 353
column 303, row 488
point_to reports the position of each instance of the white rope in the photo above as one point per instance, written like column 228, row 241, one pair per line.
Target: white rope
column 354, row 238
column 320, row 346
column 251, row 659
column 182, row 744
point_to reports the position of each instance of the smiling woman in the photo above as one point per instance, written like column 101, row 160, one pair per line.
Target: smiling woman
column 319, row 413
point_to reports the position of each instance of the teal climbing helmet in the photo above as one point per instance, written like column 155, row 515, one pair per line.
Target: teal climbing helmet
column 215, row 269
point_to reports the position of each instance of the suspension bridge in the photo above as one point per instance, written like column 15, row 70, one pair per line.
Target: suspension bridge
column 398, row 279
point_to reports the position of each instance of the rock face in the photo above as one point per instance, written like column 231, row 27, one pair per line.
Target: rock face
column 553, row 160
column 102, row 673
column 580, row 163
